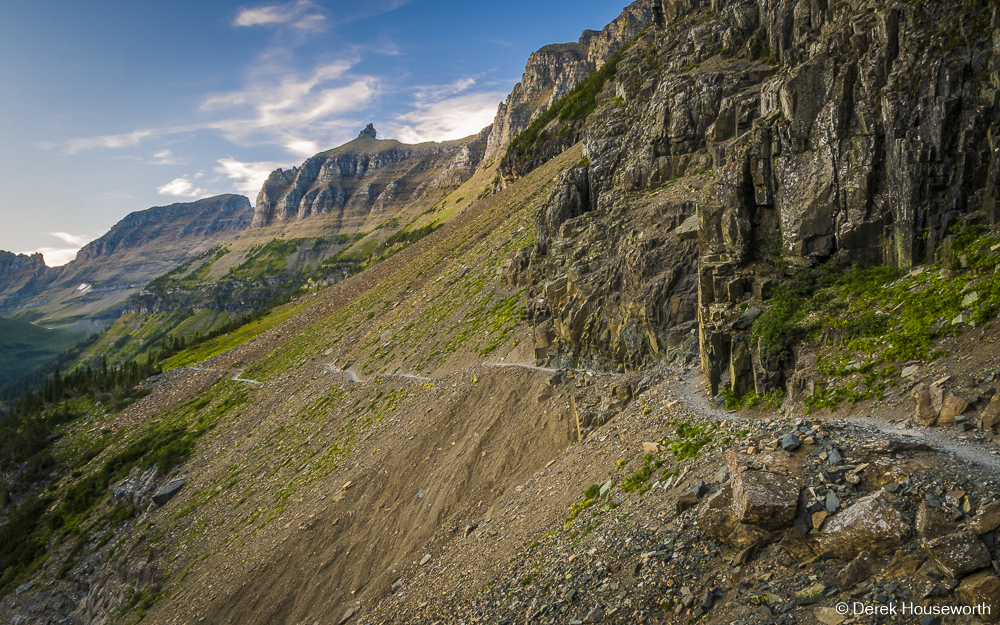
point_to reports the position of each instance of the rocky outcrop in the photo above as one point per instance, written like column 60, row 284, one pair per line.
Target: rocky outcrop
column 554, row 69
column 364, row 176
column 834, row 133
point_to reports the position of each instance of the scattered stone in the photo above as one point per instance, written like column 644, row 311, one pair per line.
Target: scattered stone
column 715, row 519
column 24, row 588
column 979, row 589
column 172, row 487
column 858, row 570
column 790, row 442
column 834, row 457
column 700, row 490
column 470, row 528
column 818, row 518
column 924, row 413
column 991, row 414
column 970, row 298
column 651, row 448
column 595, row 616
column 904, row 563
column 832, row 502
column 958, row 554
column 811, row 595
column 686, row 502
column 346, row 617
column 425, row 559
column 828, row 616
column 952, row 407
column 910, row 371
column 763, row 498
column 986, row 520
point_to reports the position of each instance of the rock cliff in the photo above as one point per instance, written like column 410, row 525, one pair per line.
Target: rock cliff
column 806, row 132
column 554, row 69
column 367, row 177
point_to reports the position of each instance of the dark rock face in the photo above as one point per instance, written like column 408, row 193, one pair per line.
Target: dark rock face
column 845, row 133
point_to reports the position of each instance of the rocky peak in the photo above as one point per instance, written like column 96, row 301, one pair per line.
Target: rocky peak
column 555, row 69
column 369, row 131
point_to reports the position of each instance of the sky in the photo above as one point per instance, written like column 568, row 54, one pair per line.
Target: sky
column 110, row 107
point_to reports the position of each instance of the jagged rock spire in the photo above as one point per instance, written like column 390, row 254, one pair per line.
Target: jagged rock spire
column 369, row 131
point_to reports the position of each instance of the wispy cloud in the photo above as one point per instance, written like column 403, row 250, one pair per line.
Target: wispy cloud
column 279, row 106
column 181, row 187
column 247, row 177
column 444, row 112
column 57, row 256
column 131, row 139
column 302, row 15
column 166, row 157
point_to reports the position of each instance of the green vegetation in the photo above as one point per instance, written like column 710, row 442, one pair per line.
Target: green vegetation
column 636, row 481
column 865, row 320
column 25, row 538
column 575, row 106
column 266, row 261
column 691, row 437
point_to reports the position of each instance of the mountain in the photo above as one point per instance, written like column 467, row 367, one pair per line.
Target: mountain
column 88, row 290
column 714, row 340
column 360, row 183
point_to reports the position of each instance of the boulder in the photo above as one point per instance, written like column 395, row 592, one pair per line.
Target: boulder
column 931, row 523
column 136, row 489
column 715, row 519
column 982, row 588
column 987, row 519
column 924, row 412
column 871, row 524
column 763, row 497
column 958, row 554
column 951, row 407
column 991, row 414
column 171, row 488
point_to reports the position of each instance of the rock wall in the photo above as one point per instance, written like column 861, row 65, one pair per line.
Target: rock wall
column 847, row 132
column 555, row 69
column 363, row 176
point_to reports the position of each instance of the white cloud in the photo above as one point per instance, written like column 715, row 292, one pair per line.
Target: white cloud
column 303, row 15
column 280, row 107
column 449, row 118
column 181, row 187
column 303, row 147
column 127, row 140
column 166, row 157
column 57, row 256
column 306, row 16
column 247, row 178
column 78, row 240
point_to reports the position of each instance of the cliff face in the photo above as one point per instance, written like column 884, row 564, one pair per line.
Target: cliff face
column 365, row 178
column 809, row 132
column 555, row 69
column 184, row 220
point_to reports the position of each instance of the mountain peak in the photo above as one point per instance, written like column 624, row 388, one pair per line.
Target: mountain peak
column 369, row 131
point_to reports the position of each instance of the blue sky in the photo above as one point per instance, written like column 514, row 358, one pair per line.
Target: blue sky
column 112, row 107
